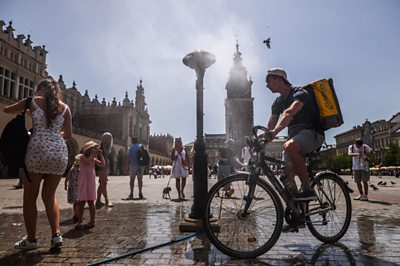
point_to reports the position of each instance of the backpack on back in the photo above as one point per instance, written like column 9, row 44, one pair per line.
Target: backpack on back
column 327, row 102
column 14, row 141
column 143, row 157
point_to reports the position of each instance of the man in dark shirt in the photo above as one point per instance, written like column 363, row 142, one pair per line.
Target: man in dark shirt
column 295, row 109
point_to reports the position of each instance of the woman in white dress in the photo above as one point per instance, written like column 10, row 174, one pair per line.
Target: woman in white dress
column 46, row 159
column 180, row 166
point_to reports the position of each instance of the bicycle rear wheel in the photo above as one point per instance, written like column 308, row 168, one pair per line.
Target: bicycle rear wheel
column 330, row 216
column 237, row 234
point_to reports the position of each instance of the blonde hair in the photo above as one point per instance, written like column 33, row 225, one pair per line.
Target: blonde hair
column 107, row 142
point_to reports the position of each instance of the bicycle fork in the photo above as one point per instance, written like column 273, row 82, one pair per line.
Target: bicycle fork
column 251, row 182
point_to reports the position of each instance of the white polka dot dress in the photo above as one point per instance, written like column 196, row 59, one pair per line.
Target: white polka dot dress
column 47, row 151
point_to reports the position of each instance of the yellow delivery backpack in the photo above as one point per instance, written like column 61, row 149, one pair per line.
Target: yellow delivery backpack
column 325, row 97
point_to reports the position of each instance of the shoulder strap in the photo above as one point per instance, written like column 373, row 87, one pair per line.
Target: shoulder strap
column 352, row 148
column 65, row 109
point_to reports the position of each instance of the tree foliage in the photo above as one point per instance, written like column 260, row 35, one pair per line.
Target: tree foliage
column 392, row 156
column 339, row 162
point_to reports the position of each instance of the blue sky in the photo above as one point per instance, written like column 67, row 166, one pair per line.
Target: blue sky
column 107, row 46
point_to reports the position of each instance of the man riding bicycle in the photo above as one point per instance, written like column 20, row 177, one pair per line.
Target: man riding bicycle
column 295, row 109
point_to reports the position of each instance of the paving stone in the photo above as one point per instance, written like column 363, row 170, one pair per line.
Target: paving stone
column 373, row 237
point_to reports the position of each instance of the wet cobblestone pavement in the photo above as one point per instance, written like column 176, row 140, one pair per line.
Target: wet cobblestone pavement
column 372, row 239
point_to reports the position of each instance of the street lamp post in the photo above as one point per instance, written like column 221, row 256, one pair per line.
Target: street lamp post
column 199, row 61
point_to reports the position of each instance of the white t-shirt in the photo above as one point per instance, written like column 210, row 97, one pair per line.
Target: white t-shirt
column 360, row 162
column 246, row 155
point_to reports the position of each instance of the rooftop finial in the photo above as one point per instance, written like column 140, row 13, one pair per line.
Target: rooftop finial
column 237, row 43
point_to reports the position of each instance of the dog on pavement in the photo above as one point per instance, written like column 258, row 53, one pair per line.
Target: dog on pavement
column 165, row 192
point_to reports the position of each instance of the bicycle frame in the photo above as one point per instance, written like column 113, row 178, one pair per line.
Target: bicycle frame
column 261, row 166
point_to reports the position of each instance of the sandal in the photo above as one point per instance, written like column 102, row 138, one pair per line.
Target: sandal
column 79, row 226
column 88, row 226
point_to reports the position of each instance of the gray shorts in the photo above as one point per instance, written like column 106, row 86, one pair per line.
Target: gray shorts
column 136, row 171
column 361, row 176
column 308, row 140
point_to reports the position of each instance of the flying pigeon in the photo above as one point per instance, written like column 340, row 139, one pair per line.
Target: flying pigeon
column 268, row 43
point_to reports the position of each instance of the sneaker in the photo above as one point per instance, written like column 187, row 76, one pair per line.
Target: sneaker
column 141, row 196
column 99, row 204
column 305, row 195
column 130, row 196
column 287, row 228
column 109, row 204
column 25, row 244
column 56, row 240
column 358, row 197
column 290, row 228
column 364, row 198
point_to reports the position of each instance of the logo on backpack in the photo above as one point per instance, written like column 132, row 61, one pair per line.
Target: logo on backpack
column 14, row 141
column 143, row 156
column 327, row 102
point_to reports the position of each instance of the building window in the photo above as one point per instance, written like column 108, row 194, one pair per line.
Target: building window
column 25, row 88
column 7, row 84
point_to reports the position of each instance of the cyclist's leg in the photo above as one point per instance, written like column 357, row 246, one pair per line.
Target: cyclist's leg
column 304, row 142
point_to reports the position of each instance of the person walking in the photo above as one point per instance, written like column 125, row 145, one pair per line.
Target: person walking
column 71, row 186
column 246, row 155
column 46, row 159
column 360, row 153
column 136, row 170
column 102, row 172
column 180, row 167
column 226, row 164
column 87, row 181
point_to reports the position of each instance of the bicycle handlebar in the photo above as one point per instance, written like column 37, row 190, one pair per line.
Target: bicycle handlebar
column 259, row 143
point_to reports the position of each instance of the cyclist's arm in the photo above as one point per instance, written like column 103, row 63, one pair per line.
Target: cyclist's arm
column 286, row 117
column 272, row 121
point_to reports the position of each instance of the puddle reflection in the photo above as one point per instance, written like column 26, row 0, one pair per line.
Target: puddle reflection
column 366, row 232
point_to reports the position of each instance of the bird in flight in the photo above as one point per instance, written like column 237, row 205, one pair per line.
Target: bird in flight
column 268, row 43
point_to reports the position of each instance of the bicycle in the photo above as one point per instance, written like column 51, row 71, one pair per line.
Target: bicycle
column 249, row 211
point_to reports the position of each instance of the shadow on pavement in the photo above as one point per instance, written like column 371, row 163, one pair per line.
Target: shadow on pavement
column 380, row 202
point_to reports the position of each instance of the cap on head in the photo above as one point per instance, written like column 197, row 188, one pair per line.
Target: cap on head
column 135, row 140
column 278, row 72
column 359, row 141
column 229, row 141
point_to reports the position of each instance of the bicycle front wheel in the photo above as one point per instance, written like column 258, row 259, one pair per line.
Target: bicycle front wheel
column 237, row 233
column 329, row 217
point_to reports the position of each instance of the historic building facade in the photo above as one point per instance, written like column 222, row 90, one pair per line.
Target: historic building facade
column 23, row 66
column 239, row 110
column 378, row 135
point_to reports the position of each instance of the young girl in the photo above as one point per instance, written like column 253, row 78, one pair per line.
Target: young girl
column 87, row 181
column 70, row 184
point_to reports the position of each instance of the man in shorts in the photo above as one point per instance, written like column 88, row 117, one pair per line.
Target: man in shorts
column 359, row 153
column 136, row 170
column 295, row 109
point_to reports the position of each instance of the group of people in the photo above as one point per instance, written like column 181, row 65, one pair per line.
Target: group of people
column 180, row 167
column 47, row 154
column 80, row 181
